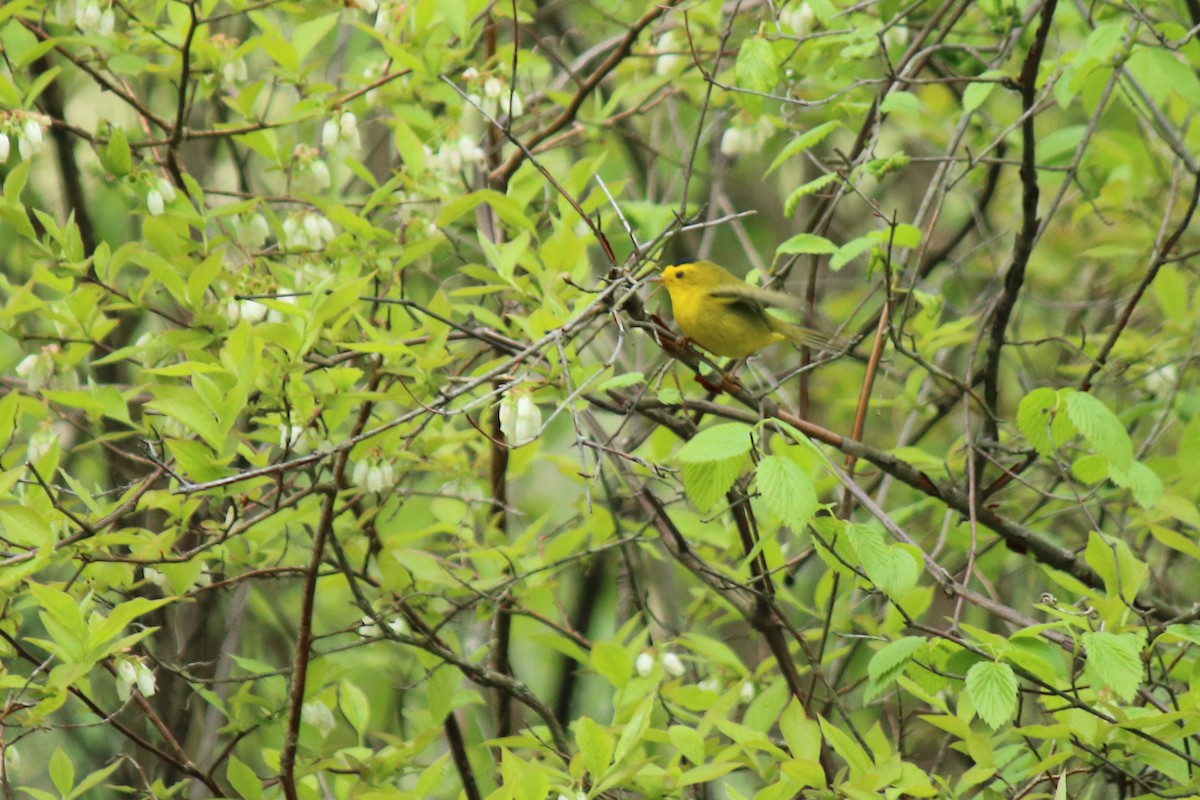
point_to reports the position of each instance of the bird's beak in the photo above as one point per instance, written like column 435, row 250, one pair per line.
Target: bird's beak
column 655, row 279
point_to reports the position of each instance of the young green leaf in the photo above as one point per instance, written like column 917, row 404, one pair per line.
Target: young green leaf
column 992, row 686
column 1114, row 660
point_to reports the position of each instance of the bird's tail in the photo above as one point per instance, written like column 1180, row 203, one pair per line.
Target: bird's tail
column 806, row 337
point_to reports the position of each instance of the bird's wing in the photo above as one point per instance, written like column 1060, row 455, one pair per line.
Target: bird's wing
column 761, row 297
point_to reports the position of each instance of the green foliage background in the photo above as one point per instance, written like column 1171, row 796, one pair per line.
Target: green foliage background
column 345, row 455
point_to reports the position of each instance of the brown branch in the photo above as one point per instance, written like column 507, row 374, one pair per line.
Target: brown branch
column 503, row 174
column 1014, row 278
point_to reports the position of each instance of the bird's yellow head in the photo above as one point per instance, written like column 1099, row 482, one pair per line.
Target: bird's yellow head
column 700, row 275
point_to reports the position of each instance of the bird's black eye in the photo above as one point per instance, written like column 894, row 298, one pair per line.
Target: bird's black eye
column 678, row 274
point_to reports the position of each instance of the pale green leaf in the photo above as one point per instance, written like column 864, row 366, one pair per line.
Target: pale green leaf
column 992, row 686
column 787, row 490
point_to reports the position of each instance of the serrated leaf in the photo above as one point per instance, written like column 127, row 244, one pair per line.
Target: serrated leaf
column 1123, row 573
column 804, row 141
column 787, row 490
column 1034, row 415
column 992, row 687
column 888, row 662
column 890, row 569
column 1114, row 660
column 803, row 191
column 718, row 443
column 806, row 243
column 1101, row 428
column 850, row 251
column 1141, row 481
column 757, row 68
column 707, row 482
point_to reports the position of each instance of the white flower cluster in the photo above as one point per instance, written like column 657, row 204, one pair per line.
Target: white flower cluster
column 397, row 625
column 799, row 17
column 250, row 230
column 669, row 58
column 163, row 582
column 249, row 310
column 295, row 438
column 671, row 664
column 28, row 130
column 391, row 16
column 307, row 230
column 93, row 20
column 36, row 369
column 340, row 134
column 161, row 193
column 233, row 67
column 318, row 715
column 310, row 174
column 453, row 155
column 374, row 474
column 746, row 140
column 130, row 673
column 520, row 418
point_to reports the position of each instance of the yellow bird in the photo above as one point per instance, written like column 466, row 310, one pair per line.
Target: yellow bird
column 727, row 316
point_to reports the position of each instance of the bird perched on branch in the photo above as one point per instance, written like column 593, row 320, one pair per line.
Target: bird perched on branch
column 727, row 316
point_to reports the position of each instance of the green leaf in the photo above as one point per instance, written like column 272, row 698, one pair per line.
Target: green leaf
column 707, row 482
column 858, row 759
column 803, row 735
column 355, row 707
column 62, row 772
column 1101, row 428
column 904, row 102
column 787, row 490
column 804, row 141
column 612, row 662
column 1141, row 481
column 307, row 34
column 1114, row 660
column 891, row 569
column 992, row 687
column 1171, row 293
column 596, row 746
column 120, row 161
column 850, row 251
column 803, row 191
column 688, row 742
column 25, row 526
column 1123, row 573
column 978, row 91
column 635, row 729
column 718, row 443
column 889, row 662
column 757, row 68
column 1034, row 414
column 243, row 780
column 94, row 779
column 806, row 243
column 104, row 631
column 186, row 407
